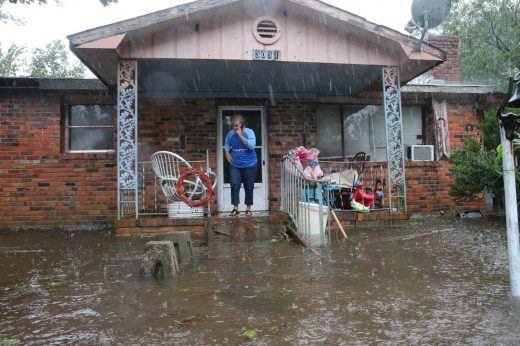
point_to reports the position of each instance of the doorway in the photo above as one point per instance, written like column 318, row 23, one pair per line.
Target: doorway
column 255, row 120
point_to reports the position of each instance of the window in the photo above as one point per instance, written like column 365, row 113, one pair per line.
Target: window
column 344, row 131
column 89, row 128
column 329, row 131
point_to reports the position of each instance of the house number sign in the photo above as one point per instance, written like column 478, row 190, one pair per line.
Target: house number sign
column 264, row 54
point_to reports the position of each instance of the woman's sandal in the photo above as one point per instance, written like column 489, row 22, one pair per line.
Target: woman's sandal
column 234, row 212
column 249, row 212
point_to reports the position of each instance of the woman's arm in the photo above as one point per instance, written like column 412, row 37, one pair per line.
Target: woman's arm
column 250, row 141
column 227, row 147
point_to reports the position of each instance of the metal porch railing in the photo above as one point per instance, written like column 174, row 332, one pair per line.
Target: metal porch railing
column 302, row 200
column 305, row 200
column 151, row 199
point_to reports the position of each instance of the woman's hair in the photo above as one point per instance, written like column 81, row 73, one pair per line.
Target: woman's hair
column 238, row 118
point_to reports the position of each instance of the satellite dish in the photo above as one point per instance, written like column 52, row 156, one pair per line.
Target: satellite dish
column 428, row 14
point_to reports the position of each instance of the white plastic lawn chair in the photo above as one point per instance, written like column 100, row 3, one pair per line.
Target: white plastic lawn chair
column 168, row 167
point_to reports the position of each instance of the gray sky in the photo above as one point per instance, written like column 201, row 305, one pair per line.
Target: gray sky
column 46, row 23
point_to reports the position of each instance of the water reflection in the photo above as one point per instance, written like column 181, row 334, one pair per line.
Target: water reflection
column 418, row 283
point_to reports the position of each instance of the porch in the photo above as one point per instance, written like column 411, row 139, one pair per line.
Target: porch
column 157, row 215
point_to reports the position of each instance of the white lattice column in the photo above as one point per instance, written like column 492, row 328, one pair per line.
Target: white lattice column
column 127, row 194
column 394, row 138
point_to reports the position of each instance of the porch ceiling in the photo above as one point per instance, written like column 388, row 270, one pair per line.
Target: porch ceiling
column 250, row 79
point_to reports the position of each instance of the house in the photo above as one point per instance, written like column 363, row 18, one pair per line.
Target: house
column 77, row 152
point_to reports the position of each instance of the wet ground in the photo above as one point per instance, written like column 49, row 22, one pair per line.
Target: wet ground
column 429, row 282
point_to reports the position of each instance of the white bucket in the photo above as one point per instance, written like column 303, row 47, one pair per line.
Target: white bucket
column 179, row 209
column 309, row 220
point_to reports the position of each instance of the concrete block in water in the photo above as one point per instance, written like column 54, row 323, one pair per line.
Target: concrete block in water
column 159, row 260
column 183, row 245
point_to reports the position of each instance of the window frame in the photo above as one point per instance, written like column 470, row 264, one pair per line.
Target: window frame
column 67, row 106
column 342, row 117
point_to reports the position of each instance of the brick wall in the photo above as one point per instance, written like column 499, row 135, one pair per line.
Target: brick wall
column 427, row 189
column 290, row 124
column 187, row 127
column 449, row 70
column 427, row 183
column 41, row 185
column 184, row 126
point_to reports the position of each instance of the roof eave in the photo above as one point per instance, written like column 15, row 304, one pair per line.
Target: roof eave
column 149, row 19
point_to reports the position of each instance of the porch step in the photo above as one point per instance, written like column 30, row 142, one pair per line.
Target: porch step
column 196, row 225
column 257, row 216
column 160, row 224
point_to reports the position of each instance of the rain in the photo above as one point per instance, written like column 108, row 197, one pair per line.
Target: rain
column 72, row 271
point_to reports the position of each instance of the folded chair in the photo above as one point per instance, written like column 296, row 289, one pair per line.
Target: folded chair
column 359, row 162
column 168, row 166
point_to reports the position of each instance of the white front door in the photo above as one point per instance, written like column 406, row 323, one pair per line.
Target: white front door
column 255, row 120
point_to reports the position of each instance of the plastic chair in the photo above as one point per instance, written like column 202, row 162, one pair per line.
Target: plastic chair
column 361, row 156
column 168, row 166
column 359, row 162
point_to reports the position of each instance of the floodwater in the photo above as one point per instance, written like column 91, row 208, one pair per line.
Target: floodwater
column 427, row 282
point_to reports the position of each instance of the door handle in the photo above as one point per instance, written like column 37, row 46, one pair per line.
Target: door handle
column 263, row 162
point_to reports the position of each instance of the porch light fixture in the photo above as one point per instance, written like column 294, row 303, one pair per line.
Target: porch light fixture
column 470, row 127
column 514, row 100
column 510, row 120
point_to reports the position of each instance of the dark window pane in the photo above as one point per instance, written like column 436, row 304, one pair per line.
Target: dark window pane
column 358, row 121
column 92, row 139
column 91, row 115
column 329, row 131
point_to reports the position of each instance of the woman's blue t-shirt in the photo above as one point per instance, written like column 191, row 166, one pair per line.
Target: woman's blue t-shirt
column 243, row 155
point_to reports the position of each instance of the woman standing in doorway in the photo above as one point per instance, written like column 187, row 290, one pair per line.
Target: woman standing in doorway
column 240, row 145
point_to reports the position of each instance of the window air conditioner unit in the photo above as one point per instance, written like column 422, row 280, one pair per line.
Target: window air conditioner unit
column 422, row 153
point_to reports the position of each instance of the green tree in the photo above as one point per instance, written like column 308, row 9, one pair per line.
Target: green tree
column 11, row 62
column 53, row 62
column 475, row 170
column 489, row 49
column 489, row 129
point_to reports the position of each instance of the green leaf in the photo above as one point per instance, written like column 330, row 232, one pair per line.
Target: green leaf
column 55, row 284
column 475, row 171
column 53, row 62
column 11, row 63
column 250, row 334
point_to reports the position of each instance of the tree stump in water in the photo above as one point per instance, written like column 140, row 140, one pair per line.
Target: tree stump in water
column 159, row 260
